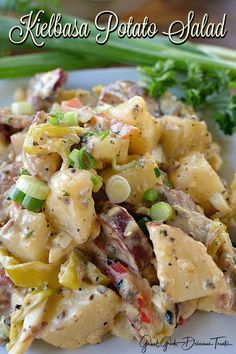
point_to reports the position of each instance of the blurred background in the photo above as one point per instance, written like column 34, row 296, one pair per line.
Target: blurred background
column 162, row 12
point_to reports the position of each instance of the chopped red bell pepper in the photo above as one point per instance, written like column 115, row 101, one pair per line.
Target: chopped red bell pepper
column 119, row 268
column 144, row 317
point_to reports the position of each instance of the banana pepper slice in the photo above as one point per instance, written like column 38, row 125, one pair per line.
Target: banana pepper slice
column 72, row 272
column 41, row 138
column 29, row 275
column 218, row 238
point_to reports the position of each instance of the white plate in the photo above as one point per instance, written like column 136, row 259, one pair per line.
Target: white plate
column 203, row 327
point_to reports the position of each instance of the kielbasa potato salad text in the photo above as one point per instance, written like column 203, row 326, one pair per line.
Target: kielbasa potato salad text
column 113, row 217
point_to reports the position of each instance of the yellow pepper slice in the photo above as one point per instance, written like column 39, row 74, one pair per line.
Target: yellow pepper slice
column 37, row 134
column 70, row 275
column 33, row 274
column 218, row 239
column 37, row 131
column 94, row 274
column 29, row 275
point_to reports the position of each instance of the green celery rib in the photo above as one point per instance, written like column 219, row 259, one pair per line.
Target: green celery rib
column 30, row 64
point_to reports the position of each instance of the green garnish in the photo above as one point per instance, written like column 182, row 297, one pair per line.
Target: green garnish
column 32, row 204
column 151, row 195
column 67, row 118
column 101, row 134
column 70, row 118
column 30, row 192
column 54, row 121
column 97, row 183
column 82, row 159
column 65, row 194
column 85, row 160
column 33, row 187
column 55, row 118
column 207, row 90
column 57, row 114
column 29, row 234
column 234, row 259
column 161, row 212
column 157, row 172
column 24, row 171
column 16, row 195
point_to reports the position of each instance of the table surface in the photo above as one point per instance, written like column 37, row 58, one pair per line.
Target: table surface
column 163, row 12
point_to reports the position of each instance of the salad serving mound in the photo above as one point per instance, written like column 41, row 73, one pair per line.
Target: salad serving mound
column 113, row 216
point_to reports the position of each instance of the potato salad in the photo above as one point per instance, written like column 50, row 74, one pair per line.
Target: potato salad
column 113, row 218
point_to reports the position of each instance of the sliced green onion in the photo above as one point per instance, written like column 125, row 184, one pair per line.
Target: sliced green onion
column 56, row 117
column 82, row 159
column 32, row 187
column 54, row 121
column 97, row 183
column 25, row 191
column 103, row 135
column 29, row 234
column 16, row 195
column 90, row 133
column 57, row 114
column 86, row 161
column 22, row 107
column 161, row 212
column 32, row 204
column 73, row 156
column 70, row 118
column 24, row 171
column 65, row 193
column 151, row 195
column 142, row 223
column 117, row 189
column 234, row 259
column 124, row 167
column 157, row 172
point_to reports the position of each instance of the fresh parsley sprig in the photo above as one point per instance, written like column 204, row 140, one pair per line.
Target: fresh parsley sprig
column 207, row 91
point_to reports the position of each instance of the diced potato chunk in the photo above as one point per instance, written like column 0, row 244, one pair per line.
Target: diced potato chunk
column 70, row 205
column 216, row 303
column 134, row 112
column 184, row 268
column 108, row 149
column 196, row 177
column 76, row 318
column 26, row 235
column 181, row 136
column 140, row 177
